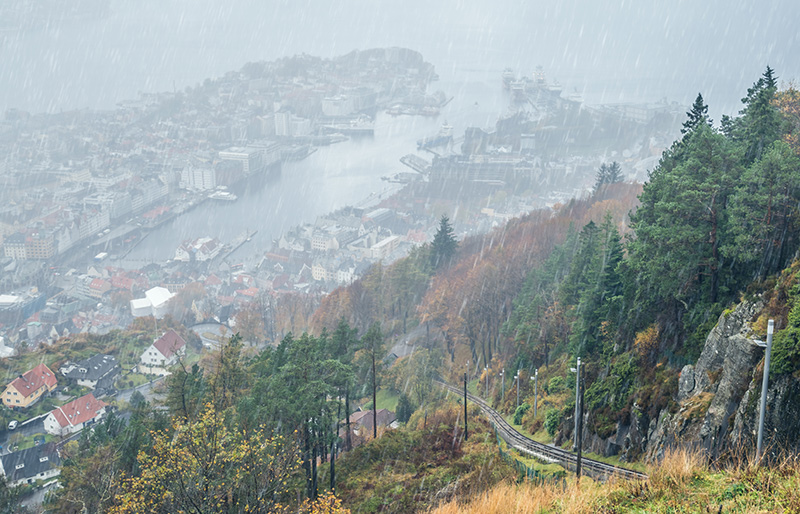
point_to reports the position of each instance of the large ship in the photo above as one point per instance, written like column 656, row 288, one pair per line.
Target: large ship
column 443, row 137
column 223, row 195
column 534, row 89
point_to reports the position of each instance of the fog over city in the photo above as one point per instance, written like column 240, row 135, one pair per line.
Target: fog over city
column 429, row 192
column 105, row 51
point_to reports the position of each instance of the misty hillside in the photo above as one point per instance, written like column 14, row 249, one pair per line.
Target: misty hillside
column 399, row 257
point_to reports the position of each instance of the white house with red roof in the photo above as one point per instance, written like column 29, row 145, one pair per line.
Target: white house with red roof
column 75, row 415
column 25, row 390
column 163, row 353
column 202, row 249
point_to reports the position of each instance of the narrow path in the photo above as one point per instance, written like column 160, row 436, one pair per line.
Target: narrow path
column 593, row 468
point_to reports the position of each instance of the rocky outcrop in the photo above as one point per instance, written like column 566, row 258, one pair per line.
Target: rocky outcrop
column 781, row 419
column 711, row 391
column 718, row 400
column 719, row 396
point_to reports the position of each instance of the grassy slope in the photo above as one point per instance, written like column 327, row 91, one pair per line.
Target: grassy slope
column 679, row 484
column 413, row 469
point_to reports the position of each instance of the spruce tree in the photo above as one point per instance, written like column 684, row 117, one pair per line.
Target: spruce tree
column 681, row 224
column 607, row 174
column 760, row 123
column 697, row 115
column 764, row 212
column 444, row 243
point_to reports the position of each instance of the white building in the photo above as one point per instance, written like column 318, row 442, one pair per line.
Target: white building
column 339, row 105
column 141, row 307
column 92, row 221
column 199, row 250
column 163, row 353
column 300, row 126
column 155, row 303
column 202, row 178
column 75, row 415
column 159, row 298
column 283, row 123
column 383, row 248
column 252, row 159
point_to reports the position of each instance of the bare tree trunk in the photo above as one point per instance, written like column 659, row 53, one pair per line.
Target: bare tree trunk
column 348, row 443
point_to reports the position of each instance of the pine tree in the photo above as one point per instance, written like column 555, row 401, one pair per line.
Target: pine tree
column 759, row 125
column 444, row 243
column 681, row 223
column 607, row 174
column 404, row 408
column 770, row 80
column 764, row 212
column 696, row 116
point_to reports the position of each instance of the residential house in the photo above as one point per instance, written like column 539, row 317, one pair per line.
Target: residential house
column 362, row 420
column 26, row 466
column 97, row 372
column 361, row 425
column 200, row 250
column 163, row 353
column 25, row 390
column 75, row 415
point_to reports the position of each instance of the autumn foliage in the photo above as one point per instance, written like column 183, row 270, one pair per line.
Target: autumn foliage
column 205, row 466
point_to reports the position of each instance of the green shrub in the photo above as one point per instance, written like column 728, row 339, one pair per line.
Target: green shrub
column 555, row 385
column 786, row 344
column 551, row 421
column 521, row 410
column 404, row 408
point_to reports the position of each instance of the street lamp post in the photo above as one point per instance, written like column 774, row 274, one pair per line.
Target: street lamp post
column 577, row 371
column 535, row 379
column 519, row 372
column 466, row 431
column 764, row 386
column 486, row 372
column 503, row 380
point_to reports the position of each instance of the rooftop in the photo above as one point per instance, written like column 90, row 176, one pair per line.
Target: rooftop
column 78, row 411
column 34, row 379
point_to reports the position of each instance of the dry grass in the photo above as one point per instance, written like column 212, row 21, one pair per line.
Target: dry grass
column 674, row 473
column 678, row 467
column 681, row 482
column 507, row 498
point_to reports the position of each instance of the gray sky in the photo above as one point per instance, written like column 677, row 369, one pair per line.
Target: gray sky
column 609, row 51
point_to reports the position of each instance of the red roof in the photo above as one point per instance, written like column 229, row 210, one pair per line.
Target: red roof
column 98, row 284
column 78, row 411
column 34, row 379
column 213, row 280
column 250, row 291
column 225, row 300
column 169, row 343
column 121, row 282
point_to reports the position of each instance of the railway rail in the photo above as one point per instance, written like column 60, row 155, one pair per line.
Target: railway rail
column 593, row 468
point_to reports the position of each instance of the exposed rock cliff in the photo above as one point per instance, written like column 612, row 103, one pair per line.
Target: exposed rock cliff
column 718, row 400
column 711, row 392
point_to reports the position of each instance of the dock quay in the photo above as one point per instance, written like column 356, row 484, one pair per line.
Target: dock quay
column 240, row 240
column 416, row 163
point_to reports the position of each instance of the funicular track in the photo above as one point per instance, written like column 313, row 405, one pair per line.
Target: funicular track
column 595, row 469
